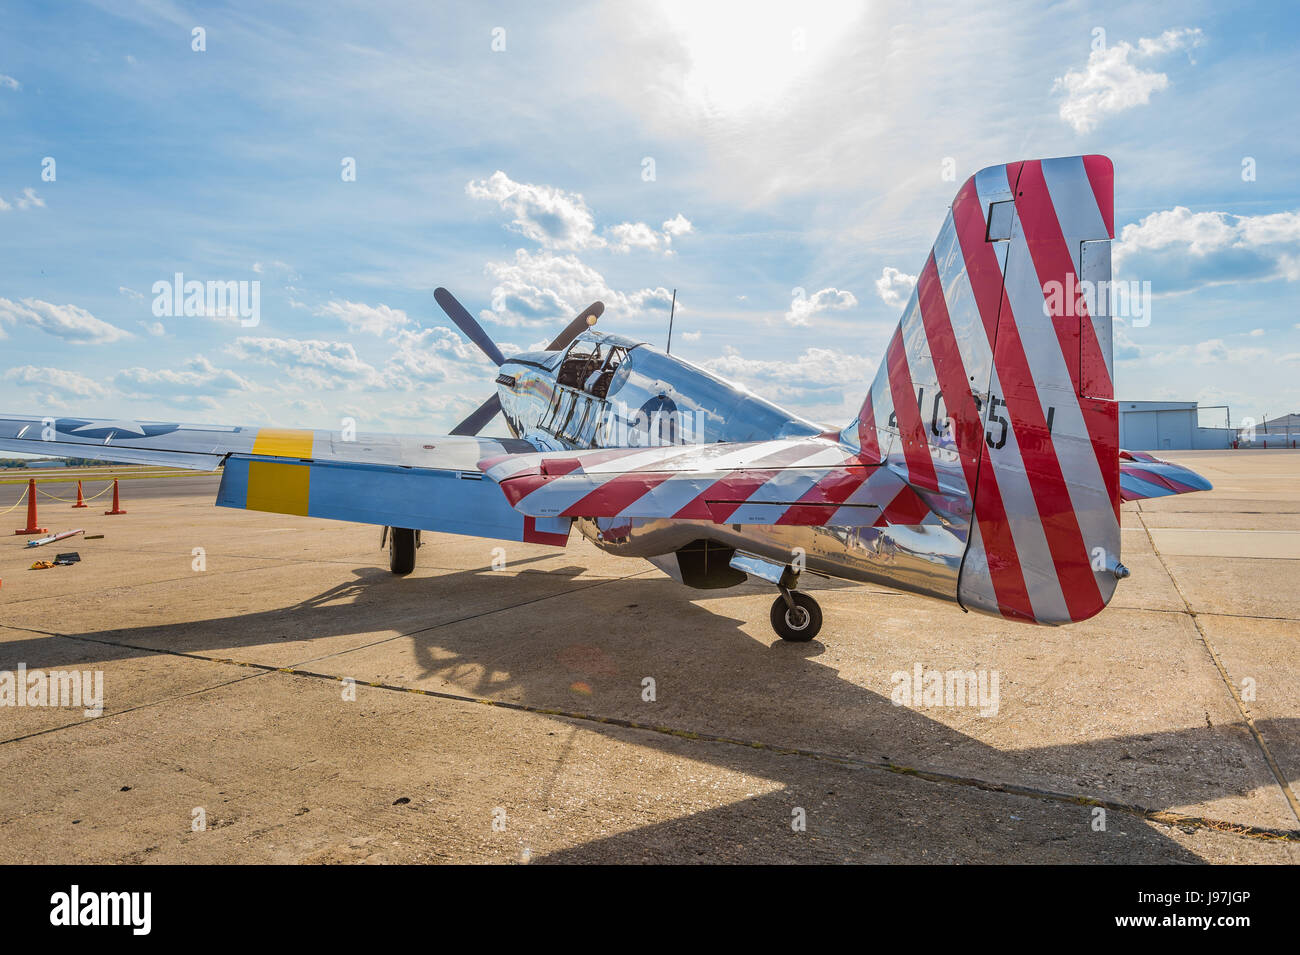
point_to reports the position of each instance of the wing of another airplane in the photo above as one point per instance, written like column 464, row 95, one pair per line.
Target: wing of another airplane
column 1143, row 476
column 810, row 481
column 425, row 482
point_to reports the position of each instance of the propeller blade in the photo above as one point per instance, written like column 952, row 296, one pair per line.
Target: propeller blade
column 577, row 326
column 466, row 323
column 485, row 412
column 477, row 421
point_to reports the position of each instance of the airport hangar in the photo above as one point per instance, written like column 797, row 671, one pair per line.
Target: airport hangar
column 1171, row 426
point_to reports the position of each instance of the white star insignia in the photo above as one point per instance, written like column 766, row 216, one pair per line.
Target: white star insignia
column 125, row 427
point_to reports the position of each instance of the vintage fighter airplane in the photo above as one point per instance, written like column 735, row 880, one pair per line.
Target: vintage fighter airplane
column 983, row 467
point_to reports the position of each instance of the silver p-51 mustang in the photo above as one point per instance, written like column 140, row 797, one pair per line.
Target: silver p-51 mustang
column 983, row 467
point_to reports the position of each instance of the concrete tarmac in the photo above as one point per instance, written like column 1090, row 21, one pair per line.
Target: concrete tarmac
column 273, row 694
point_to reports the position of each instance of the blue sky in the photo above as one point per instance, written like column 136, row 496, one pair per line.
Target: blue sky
column 797, row 146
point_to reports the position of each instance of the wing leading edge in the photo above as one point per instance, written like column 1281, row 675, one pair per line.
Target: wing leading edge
column 418, row 481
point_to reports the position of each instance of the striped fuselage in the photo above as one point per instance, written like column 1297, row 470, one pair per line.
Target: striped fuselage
column 988, row 441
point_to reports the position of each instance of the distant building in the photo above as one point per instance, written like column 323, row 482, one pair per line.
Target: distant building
column 1170, row 426
column 1280, row 432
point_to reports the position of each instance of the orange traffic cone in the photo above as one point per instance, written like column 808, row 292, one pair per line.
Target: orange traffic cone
column 31, row 527
column 81, row 501
column 117, row 508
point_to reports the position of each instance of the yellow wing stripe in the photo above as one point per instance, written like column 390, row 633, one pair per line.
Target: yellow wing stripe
column 278, row 487
column 283, row 443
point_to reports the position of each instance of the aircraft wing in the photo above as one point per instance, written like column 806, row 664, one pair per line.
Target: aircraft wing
column 1143, row 476
column 426, row 482
column 811, row 481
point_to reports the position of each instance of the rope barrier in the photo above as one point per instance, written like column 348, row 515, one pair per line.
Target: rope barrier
column 70, row 501
column 22, row 497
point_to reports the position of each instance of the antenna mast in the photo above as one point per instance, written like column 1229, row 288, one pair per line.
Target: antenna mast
column 671, row 312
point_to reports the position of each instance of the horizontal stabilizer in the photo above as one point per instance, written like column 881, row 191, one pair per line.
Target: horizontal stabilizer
column 1143, row 476
column 799, row 481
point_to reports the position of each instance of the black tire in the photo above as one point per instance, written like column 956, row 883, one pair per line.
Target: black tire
column 800, row 625
column 401, row 550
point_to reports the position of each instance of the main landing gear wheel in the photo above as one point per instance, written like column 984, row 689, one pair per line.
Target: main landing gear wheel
column 401, row 550
column 799, row 623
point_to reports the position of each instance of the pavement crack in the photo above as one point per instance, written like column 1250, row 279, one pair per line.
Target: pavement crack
column 130, row 709
column 1156, row 816
column 576, row 719
column 1273, row 766
column 473, row 616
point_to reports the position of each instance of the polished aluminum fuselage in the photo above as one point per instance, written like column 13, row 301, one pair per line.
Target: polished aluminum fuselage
column 652, row 399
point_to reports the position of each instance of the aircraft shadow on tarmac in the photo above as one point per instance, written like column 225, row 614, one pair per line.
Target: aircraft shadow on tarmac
column 715, row 678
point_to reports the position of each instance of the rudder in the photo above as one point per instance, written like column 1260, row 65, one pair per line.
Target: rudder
column 995, row 398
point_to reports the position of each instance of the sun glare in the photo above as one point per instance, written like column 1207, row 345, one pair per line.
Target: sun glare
column 752, row 54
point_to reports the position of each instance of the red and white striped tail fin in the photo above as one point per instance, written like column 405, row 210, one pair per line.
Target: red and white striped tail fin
column 995, row 398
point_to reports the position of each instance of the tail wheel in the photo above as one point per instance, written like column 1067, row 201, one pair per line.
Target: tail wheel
column 799, row 623
column 401, row 550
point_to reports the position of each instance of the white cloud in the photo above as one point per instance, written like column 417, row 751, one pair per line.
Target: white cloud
column 422, row 407
column 308, row 407
column 8, row 82
column 1111, row 84
column 72, row 324
column 633, row 235
column 30, row 200
column 804, row 307
column 314, row 363
column 542, row 288
column 436, row 355
column 374, row 319
column 56, row 379
column 278, row 267
column 895, row 287
column 197, row 381
column 1124, row 348
column 1214, row 351
column 556, row 219
column 130, row 293
column 1195, row 249
column 1170, row 40
column 549, row 216
column 821, row 381
column 678, row 225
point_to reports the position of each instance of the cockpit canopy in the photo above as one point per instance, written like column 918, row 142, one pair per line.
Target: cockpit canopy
column 590, row 367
